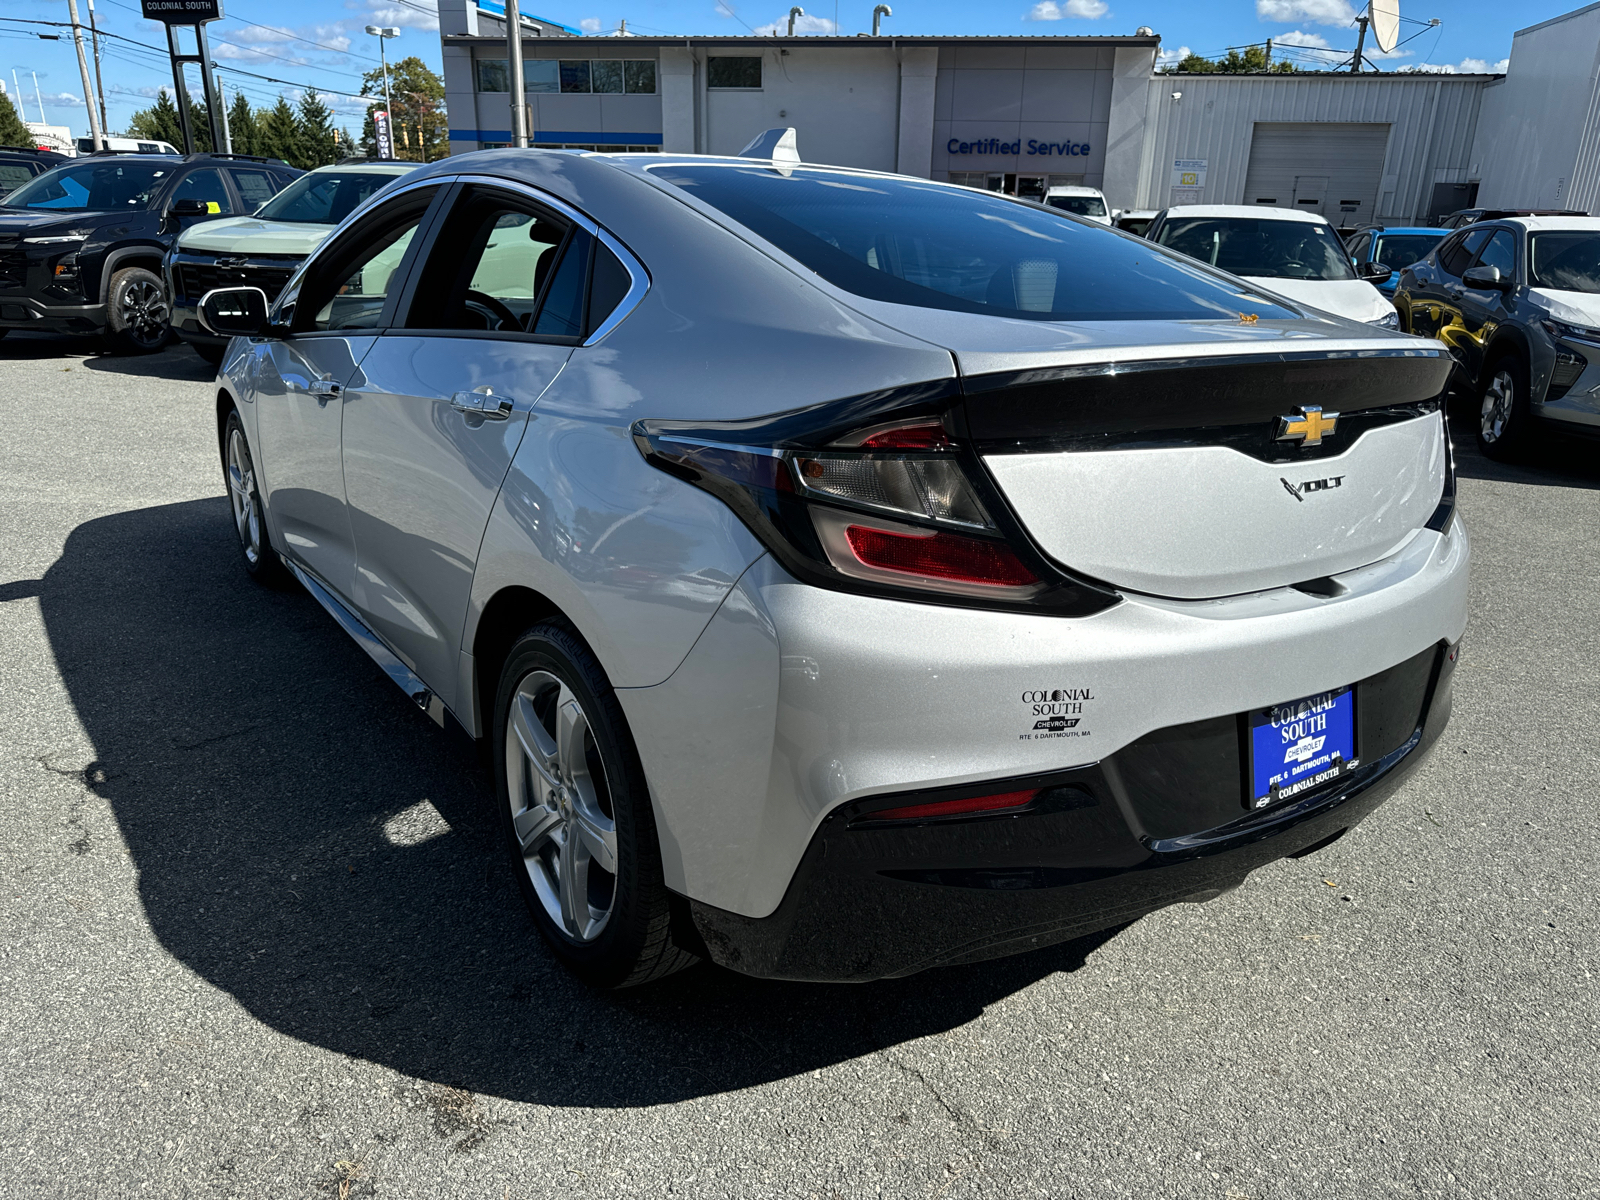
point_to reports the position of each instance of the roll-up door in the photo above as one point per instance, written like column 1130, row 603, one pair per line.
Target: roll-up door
column 1318, row 166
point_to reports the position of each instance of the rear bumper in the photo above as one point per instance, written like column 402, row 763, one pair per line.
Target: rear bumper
column 871, row 901
column 27, row 312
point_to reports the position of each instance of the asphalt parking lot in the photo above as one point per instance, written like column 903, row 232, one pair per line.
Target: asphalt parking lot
column 256, row 939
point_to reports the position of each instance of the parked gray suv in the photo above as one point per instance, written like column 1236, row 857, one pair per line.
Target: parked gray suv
column 1517, row 301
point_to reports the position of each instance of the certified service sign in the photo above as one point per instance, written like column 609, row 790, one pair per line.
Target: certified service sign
column 181, row 12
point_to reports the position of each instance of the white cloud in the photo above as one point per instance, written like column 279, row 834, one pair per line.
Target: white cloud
column 404, row 15
column 245, row 54
column 1467, row 66
column 590, row 25
column 1086, row 10
column 802, row 24
column 1171, row 58
column 61, row 100
column 1318, row 12
column 1309, row 41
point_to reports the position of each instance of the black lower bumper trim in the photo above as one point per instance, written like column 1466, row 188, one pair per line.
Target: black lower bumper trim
column 873, row 900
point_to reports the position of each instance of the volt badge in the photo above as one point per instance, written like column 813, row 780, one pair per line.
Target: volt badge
column 1308, row 426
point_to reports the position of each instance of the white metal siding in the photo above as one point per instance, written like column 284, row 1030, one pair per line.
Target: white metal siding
column 1348, row 158
column 1432, row 119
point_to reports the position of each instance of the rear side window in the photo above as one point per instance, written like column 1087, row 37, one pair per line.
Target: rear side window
column 255, row 187
column 561, row 314
column 1457, row 256
column 608, row 284
column 908, row 241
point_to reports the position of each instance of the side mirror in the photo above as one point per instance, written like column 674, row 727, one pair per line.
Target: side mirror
column 1374, row 272
column 189, row 207
column 1486, row 279
column 234, row 312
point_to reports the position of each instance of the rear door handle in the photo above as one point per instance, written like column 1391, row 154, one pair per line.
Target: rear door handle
column 482, row 402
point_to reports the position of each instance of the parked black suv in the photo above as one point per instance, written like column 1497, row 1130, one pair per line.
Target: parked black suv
column 19, row 164
column 81, row 245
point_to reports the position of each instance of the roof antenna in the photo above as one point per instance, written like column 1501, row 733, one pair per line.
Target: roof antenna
column 776, row 144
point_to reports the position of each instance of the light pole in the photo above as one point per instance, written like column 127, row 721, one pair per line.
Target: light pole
column 383, row 34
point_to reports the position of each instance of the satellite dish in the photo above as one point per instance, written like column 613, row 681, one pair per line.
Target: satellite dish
column 1385, row 16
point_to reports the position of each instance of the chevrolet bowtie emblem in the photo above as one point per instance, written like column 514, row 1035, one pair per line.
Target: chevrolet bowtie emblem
column 1308, row 426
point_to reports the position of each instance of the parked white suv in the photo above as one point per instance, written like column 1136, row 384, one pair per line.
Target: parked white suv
column 1080, row 201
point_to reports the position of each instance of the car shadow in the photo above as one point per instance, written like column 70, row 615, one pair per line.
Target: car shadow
column 174, row 361
column 1551, row 458
column 308, row 842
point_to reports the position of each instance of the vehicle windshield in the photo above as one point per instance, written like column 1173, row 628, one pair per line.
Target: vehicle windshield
column 1565, row 260
column 1084, row 206
column 1399, row 250
column 324, row 197
column 1260, row 246
column 94, row 186
column 908, row 241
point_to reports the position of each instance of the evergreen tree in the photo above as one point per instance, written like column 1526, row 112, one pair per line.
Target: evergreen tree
column 12, row 131
column 277, row 132
column 314, row 141
column 242, row 125
column 200, row 126
column 418, row 105
column 159, row 122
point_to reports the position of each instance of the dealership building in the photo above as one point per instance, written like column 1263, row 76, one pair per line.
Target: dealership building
column 1021, row 114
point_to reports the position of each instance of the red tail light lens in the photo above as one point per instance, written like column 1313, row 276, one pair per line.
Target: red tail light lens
column 940, row 556
column 955, row 808
column 929, row 436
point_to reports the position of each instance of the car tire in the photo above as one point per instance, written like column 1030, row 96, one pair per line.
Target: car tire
column 138, row 317
column 575, row 814
column 212, row 354
column 1503, row 411
column 244, row 501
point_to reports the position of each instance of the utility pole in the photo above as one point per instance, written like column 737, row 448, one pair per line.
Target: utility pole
column 99, row 84
column 1269, row 54
column 519, row 97
column 222, row 107
column 1361, row 41
column 96, row 139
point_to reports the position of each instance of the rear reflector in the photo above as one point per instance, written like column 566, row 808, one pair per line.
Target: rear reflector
column 954, row 808
column 939, row 556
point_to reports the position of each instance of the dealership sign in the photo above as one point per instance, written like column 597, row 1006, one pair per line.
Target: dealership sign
column 181, row 12
column 1015, row 148
column 381, row 133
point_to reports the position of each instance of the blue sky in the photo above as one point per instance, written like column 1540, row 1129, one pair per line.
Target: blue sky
column 321, row 43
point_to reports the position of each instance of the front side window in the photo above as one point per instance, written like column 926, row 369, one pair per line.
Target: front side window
column 1566, row 260
column 1399, row 250
column 733, row 72
column 1456, row 255
column 1358, row 246
column 324, row 197
column 95, row 186
column 206, row 186
column 1260, row 247
column 909, row 241
column 1501, row 254
column 351, row 281
column 1083, row 206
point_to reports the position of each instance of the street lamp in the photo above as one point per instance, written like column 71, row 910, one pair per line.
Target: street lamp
column 383, row 33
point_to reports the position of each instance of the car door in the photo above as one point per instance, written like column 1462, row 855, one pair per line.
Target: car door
column 333, row 312
column 1483, row 309
column 1437, row 287
column 492, row 314
column 256, row 185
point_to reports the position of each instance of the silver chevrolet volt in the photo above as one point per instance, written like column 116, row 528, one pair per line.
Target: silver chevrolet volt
column 848, row 573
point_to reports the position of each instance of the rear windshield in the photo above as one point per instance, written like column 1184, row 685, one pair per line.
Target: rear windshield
column 93, row 187
column 324, row 197
column 1399, row 250
column 1084, row 206
column 1258, row 247
column 1566, row 261
column 908, row 241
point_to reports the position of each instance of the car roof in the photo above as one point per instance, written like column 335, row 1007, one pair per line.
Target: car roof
column 393, row 166
column 1435, row 230
column 1533, row 224
column 1260, row 212
column 1072, row 189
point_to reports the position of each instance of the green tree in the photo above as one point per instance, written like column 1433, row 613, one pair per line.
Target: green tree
column 314, row 142
column 242, row 125
column 12, row 131
column 160, row 122
column 417, row 117
column 1251, row 61
column 278, row 132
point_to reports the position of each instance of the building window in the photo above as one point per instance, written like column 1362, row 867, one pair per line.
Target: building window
column 733, row 72
column 548, row 75
column 493, row 145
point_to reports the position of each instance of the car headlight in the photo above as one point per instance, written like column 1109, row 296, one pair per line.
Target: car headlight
column 1389, row 320
column 1560, row 329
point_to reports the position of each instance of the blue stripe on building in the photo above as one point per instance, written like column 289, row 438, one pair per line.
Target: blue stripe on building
column 578, row 136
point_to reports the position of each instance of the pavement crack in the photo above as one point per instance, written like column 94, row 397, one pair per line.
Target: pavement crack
column 222, row 737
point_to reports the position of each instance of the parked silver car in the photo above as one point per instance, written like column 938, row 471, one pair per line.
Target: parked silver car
column 851, row 573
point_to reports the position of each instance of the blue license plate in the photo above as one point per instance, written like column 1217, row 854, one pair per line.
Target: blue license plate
column 1301, row 745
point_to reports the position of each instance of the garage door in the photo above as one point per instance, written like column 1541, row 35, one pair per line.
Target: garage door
column 1332, row 169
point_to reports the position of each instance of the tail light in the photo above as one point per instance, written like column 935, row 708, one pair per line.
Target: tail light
column 851, row 496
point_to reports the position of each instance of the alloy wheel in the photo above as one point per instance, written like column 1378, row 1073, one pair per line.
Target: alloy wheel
column 1498, row 399
column 561, row 808
column 144, row 311
column 241, row 494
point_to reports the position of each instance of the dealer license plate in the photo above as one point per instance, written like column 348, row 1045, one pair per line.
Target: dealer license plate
column 1301, row 745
